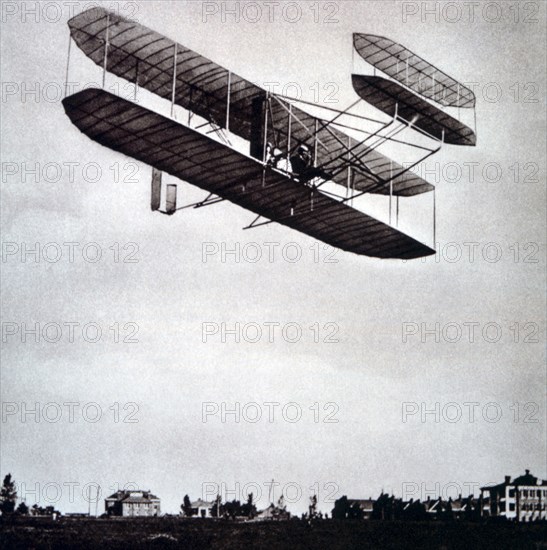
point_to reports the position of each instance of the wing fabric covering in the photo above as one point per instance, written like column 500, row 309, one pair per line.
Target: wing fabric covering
column 389, row 97
column 191, row 156
column 149, row 59
column 411, row 70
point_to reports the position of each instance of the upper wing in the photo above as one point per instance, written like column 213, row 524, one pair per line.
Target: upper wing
column 141, row 55
column 196, row 158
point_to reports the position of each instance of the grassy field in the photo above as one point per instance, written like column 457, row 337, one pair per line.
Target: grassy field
column 35, row 533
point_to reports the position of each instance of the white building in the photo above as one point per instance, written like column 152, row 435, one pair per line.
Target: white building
column 522, row 499
column 132, row 503
column 202, row 509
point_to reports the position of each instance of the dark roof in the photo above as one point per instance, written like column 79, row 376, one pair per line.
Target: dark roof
column 527, row 480
column 133, row 496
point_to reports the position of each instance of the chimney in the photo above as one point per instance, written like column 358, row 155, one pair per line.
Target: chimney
column 527, row 472
column 507, row 479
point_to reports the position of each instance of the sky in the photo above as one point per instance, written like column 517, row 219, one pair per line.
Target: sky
column 354, row 390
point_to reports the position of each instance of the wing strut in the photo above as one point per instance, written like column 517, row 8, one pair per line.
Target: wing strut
column 105, row 61
column 350, row 156
column 174, row 79
column 210, row 199
column 253, row 224
column 67, row 64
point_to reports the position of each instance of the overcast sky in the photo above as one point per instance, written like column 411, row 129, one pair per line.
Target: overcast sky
column 368, row 375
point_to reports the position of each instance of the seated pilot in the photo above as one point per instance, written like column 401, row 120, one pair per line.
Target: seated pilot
column 303, row 168
column 301, row 160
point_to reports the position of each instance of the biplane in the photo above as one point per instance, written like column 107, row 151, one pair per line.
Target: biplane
column 290, row 154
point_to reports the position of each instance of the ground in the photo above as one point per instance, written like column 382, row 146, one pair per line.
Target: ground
column 194, row 534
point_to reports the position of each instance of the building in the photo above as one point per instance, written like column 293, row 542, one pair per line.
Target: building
column 433, row 507
column 522, row 499
column 132, row 504
column 463, row 508
column 202, row 508
column 365, row 505
column 44, row 512
column 273, row 512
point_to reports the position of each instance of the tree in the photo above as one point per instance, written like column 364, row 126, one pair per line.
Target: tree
column 379, row 506
column 249, row 509
column 415, row 511
column 8, row 496
column 22, row 509
column 313, row 506
column 186, row 506
column 232, row 509
column 388, row 507
column 341, row 508
column 472, row 510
